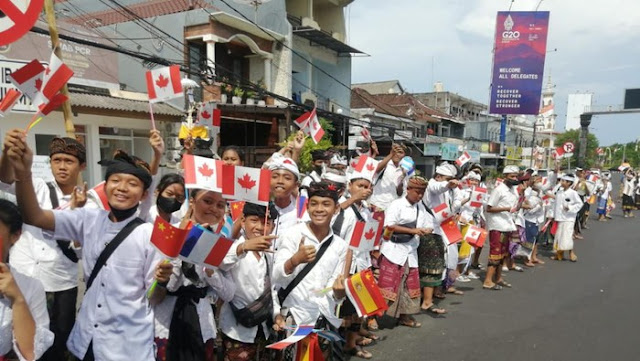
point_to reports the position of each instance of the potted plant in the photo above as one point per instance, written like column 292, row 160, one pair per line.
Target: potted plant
column 226, row 91
column 251, row 97
column 260, row 83
column 238, row 93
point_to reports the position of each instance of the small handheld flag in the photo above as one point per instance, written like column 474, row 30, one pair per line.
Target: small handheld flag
column 365, row 295
column 301, row 332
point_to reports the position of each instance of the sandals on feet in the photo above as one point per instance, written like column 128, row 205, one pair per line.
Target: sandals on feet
column 365, row 341
column 455, row 292
column 504, row 284
column 495, row 287
column 358, row 352
column 410, row 322
column 433, row 309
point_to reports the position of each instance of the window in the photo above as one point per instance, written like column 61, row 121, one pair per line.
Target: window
column 134, row 142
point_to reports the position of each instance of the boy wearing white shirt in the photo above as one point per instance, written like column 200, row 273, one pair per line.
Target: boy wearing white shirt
column 568, row 204
column 116, row 319
column 284, row 181
column 299, row 247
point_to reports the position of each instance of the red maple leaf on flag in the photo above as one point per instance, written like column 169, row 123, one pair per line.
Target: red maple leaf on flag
column 479, row 197
column 369, row 235
column 370, row 167
column 246, row 182
column 205, row 115
column 47, row 71
column 38, row 84
column 162, row 81
column 353, row 164
column 315, row 125
column 474, row 234
column 205, row 170
column 445, row 215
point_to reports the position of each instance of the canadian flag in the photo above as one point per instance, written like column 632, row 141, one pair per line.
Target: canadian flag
column 164, row 84
column 209, row 115
column 475, row 236
column 202, row 172
column 463, row 159
column 546, row 199
column 558, row 152
column 545, row 181
column 310, row 125
column 56, row 75
column 53, row 104
column 364, row 235
column 442, row 212
column 478, row 196
column 9, row 100
column 28, row 78
column 365, row 134
column 365, row 165
column 246, row 184
column 99, row 194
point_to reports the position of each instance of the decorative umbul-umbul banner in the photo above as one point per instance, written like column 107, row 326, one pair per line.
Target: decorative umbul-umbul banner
column 518, row 62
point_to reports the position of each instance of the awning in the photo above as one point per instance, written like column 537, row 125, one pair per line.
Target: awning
column 320, row 37
column 247, row 27
column 87, row 100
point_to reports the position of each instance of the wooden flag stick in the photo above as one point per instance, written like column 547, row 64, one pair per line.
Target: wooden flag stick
column 153, row 121
column 347, row 263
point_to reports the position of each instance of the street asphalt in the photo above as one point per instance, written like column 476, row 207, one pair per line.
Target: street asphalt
column 586, row 310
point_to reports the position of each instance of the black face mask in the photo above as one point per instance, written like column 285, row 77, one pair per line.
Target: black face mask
column 318, row 169
column 121, row 215
column 168, row 205
column 512, row 182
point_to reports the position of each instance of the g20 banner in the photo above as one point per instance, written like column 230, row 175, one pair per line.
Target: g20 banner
column 518, row 62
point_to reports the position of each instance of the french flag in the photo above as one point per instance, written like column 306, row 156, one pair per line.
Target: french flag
column 204, row 247
column 301, row 205
column 300, row 333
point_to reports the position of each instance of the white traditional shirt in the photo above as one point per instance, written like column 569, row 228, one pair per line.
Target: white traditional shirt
column 248, row 273
column 401, row 212
column 361, row 260
column 115, row 314
column 36, row 256
column 312, row 177
column 35, row 298
column 307, row 302
column 287, row 218
column 153, row 213
column 536, row 213
column 219, row 286
column 384, row 189
column 500, row 197
column 467, row 212
column 571, row 199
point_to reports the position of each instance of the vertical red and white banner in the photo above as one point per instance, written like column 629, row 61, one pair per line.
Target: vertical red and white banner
column 246, row 184
column 202, row 172
column 164, row 84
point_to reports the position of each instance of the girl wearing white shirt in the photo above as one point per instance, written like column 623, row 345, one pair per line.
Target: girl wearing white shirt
column 169, row 199
column 184, row 322
column 24, row 321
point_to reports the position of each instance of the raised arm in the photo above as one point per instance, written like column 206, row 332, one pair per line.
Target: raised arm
column 6, row 169
column 21, row 157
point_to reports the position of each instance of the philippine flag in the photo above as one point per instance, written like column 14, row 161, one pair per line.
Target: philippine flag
column 204, row 247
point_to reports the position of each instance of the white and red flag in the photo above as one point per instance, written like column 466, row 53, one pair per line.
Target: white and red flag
column 246, row 184
column 478, row 196
column 365, row 134
column 9, row 100
column 28, row 78
column 364, row 235
column 202, row 172
column 475, row 236
column 164, row 84
column 593, row 178
column 366, row 166
column 558, row 153
column 56, row 75
column 463, row 159
column 310, row 125
column 205, row 114
column 442, row 212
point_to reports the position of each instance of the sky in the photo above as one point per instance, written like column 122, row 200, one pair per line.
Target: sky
column 421, row 41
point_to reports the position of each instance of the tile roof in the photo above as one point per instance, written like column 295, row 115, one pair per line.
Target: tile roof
column 399, row 105
column 145, row 9
column 379, row 87
column 119, row 104
column 361, row 98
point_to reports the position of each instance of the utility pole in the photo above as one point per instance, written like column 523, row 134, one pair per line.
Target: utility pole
column 55, row 44
column 585, row 121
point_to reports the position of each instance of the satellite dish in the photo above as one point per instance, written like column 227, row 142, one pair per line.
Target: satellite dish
column 254, row 3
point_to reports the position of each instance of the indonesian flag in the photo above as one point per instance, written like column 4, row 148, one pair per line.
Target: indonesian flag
column 364, row 294
column 9, row 100
column 463, row 159
column 310, row 125
column 475, row 236
column 365, row 134
column 166, row 238
column 202, row 172
column 164, row 84
column 204, row 247
column 236, row 209
column 56, row 75
column 450, row 230
column 246, row 184
column 478, row 196
column 28, row 78
column 442, row 212
column 53, row 104
column 364, row 235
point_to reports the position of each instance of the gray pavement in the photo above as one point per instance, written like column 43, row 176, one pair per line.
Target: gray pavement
column 586, row 310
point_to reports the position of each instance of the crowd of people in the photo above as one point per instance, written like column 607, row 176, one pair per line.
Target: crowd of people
column 283, row 269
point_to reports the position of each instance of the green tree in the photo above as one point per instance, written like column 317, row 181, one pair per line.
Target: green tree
column 309, row 145
column 631, row 153
column 573, row 136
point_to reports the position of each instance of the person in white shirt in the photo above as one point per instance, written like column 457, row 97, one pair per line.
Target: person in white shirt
column 502, row 202
column 568, row 204
column 184, row 324
column 116, row 318
column 533, row 216
column 390, row 182
column 169, row 199
column 628, row 190
column 53, row 262
column 603, row 190
column 318, row 293
column 469, row 215
column 24, row 321
column 246, row 319
column 320, row 159
column 399, row 279
column 284, row 182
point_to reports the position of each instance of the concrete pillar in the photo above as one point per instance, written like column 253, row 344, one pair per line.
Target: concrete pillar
column 211, row 53
column 585, row 121
column 267, row 74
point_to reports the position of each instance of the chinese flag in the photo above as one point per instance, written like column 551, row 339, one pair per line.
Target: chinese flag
column 168, row 239
column 364, row 293
column 451, row 231
column 309, row 349
column 236, row 209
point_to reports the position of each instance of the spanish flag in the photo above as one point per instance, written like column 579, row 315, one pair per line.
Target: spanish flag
column 364, row 294
column 309, row 349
